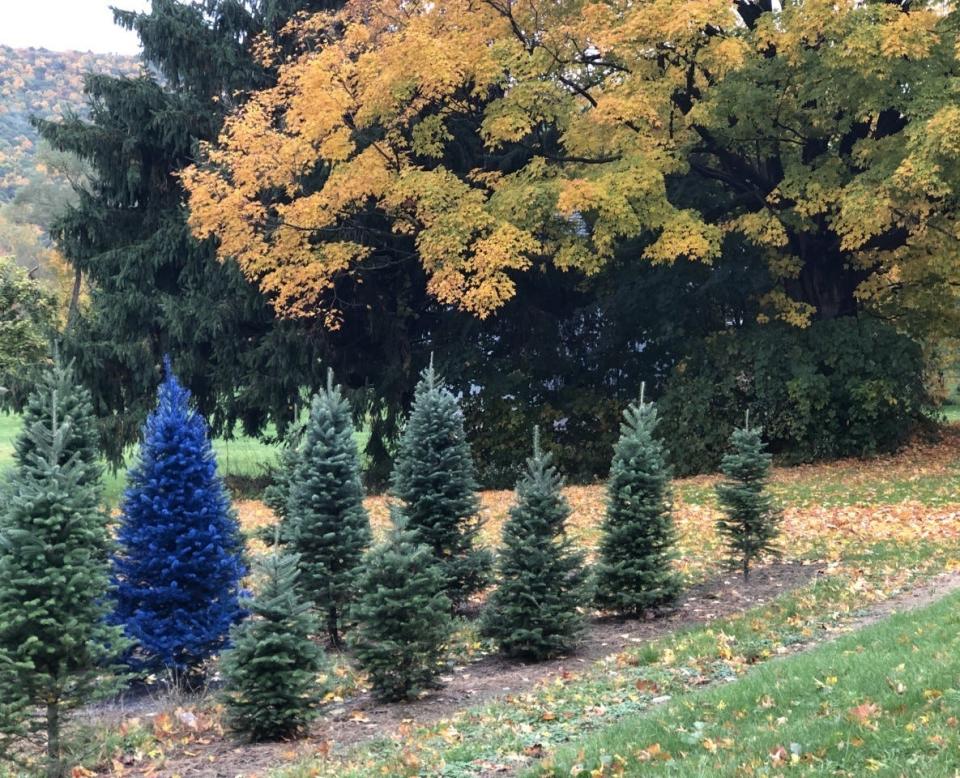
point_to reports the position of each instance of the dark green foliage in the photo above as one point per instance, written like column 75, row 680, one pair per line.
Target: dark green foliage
column 751, row 521
column 534, row 612
column 402, row 616
column 154, row 288
column 846, row 387
column 634, row 571
column 569, row 354
column 325, row 521
column 272, row 689
column 433, row 477
column 56, row 649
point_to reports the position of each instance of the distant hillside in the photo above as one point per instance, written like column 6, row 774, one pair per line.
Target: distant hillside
column 37, row 82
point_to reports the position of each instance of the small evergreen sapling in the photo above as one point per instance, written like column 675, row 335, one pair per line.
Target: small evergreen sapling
column 634, row 572
column 534, row 611
column 402, row 616
column 179, row 565
column 751, row 521
column 56, row 650
column 73, row 403
column 271, row 671
column 325, row 521
column 434, row 479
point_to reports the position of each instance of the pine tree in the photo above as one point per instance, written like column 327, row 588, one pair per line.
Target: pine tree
column 534, row 611
column 272, row 688
column 750, row 523
column 402, row 616
column 74, row 406
column 179, row 564
column 156, row 289
column 434, row 479
column 326, row 523
column 634, row 572
column 277, row 495
column 56, row 649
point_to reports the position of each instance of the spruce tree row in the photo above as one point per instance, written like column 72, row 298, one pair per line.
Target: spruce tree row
column 166, row 597
column 398, row 597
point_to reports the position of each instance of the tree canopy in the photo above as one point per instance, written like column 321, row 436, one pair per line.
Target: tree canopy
column 504, row 134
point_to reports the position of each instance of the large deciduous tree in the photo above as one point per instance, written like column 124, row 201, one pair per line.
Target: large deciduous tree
column 506, row 133
column 27, row 322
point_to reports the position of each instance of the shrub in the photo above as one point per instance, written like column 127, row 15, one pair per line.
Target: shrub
column 750, row 523
column 56, row 649
column 325, row 521
column 845, row 387
column 634, row 572
column 434, row 479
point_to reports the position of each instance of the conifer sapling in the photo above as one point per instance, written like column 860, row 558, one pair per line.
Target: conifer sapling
column 56, row 650
column 634, row 572
column 272, row 668
column 534, row 612
column 325, row 521
column 179, row 563
column 402, row 616
column 434, row 479
column 750, row 522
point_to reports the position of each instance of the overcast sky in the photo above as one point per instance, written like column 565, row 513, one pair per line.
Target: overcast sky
column 82, row 25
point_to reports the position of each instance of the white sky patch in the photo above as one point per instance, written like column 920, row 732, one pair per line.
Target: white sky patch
column 68, row 25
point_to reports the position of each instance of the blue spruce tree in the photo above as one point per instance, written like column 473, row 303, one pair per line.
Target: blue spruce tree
column 179, row 565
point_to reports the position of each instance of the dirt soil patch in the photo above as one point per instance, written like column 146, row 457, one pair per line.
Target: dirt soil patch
column 363, row 718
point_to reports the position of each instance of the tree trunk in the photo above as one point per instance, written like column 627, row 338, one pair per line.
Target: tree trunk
column 826, row 281
column 332, row 630
column 54, row 763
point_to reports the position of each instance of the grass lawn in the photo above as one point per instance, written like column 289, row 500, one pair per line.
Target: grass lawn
column 884, row 700
column 9, row 426
column 238, row 457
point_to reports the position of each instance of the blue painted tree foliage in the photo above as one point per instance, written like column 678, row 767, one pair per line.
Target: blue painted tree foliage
column 179, row 565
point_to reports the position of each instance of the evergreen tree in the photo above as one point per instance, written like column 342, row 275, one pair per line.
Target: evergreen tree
column 277, row 495
column 326, row 523
column 56, row 649
column 634, row 572
column 434, row 479
column 750, row 523
column 402, row 616
column 179, row 564
column 272, row 690
column 154, row 288
column 534, row 611
column 75, row 406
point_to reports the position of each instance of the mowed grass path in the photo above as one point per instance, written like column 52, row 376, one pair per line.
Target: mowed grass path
column 884, row 700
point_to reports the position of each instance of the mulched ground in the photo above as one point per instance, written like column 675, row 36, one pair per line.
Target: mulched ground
column 363, row 718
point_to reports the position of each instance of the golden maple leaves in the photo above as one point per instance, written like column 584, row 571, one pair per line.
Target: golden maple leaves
column 369, row 120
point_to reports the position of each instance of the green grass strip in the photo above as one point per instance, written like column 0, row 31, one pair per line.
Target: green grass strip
column 881, row 701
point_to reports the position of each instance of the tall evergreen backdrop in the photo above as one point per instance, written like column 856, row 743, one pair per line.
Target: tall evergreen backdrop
column 154, row 289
